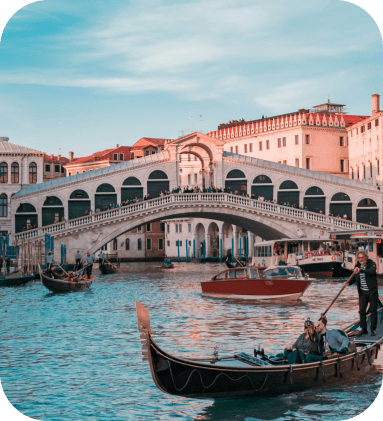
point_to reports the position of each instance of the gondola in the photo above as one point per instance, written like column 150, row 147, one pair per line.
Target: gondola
column 107, row 268
column 15, row 279
column 233, row 263
column 242, row 374
column 167, row 264
column 78, row 283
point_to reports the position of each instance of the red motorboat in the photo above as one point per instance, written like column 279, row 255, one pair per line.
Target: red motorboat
column 276, row 282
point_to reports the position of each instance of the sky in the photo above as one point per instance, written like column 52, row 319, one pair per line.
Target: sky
column 86, row 75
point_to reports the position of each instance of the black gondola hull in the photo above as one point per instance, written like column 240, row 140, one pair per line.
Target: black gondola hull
column 107, row 269
column 61, row 286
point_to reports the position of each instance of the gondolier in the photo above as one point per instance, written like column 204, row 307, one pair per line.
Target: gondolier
column 101, row 257
column 49, row 260
column 78, row 260
column 89, row 260
column 367, row 284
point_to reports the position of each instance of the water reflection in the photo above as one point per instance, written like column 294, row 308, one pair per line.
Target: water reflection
column 70, row 356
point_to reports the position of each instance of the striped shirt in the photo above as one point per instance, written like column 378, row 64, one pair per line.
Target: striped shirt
column 363, row 283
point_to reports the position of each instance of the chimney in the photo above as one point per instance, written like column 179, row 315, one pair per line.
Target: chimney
column 375, row 104
column 4, row 139
column 71, row 156
column 117, row 146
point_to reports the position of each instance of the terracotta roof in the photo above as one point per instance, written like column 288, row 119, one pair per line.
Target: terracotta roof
column 148, row 141
column 92, row 157
column 51, row 158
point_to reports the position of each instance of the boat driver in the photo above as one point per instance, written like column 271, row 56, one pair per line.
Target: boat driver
column 89, row 260
column 49, row 260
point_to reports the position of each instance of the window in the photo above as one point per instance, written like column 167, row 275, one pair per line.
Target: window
column 364, row 171
column 297, row 139
column 307, row 139
column 127, row 244
column 352, row 173
column 168, row 243
column 245, row 148
column 139, row 228
column 251, row 147
column 153, row 152
column 297, row 162
column 176, row 227
column 15, row 172
column 115, row 244
column 284, row 141
column 47, row 168
column 260, row 146
column 308, row 163
column 189, row 157
column 231, row 149
column 168, row 229
column 162, row 226
column 57, row 168
column 236, row 149
column 357, row 173
column 356, row 130
column 115, row 156
column 189, row 178
column 180, row 228
column 189, row 227
column 121, row 156
column 32, row 173
column 3, row 205
column 148, row 227
column 63, row 170
column 279, row 142
column 377, row 167
column 195, row 178
column 148, row 244
column 104, row 247
column 341, row 141
column 69, row 173
column 77, row 172
column 284, row 162
column 369, row 126
column 342, row 165
column 147, row 153
column 363, row 129
column 370, row 169
column 376, row 122
column 160, row 244
column 132, row 155
column 139, row 244
column 267, row 144
column 3, row 172
column 83, row 171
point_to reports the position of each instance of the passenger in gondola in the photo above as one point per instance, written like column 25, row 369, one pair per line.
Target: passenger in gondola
column 49, row 260
column 305, row 348
column 332, row 342
column 78, row 260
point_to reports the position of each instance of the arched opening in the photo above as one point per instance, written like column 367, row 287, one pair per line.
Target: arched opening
column 3, row 205
column 25, row 217
column 288, row 194
column 201, row 175
column 52, row 211
column 32, row 173
column 341, row 205
column 131, row 189
column 367, row 212
column 78, row 204
column 4, row 172
column 316, row 202
column 15, row 172
column 262, row 187
column 200, row 246
column 105, row 197
column 236, row 182
column 158, row 182
column 192, row 172
column 213, row 233
column 227, row 231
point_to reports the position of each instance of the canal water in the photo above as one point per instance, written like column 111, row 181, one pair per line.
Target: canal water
column 78, row 356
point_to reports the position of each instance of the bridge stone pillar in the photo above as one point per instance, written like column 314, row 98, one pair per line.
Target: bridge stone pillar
column 235, row 252
column 208, row 247
column 353, row 217
column 174, row 178
column 250, row 242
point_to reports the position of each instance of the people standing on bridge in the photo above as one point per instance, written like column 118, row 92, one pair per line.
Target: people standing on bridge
column 367, row 284
column 89, row 260
column 78, row 260
column 49, row 260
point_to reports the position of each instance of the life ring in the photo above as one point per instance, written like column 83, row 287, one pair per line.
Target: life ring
column 333, row 258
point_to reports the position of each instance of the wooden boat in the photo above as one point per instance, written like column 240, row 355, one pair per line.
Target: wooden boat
column 15, row 279
column 167, row 264
column 242, row 375
column 78, row 283
column 276, row 282
column 107, row 268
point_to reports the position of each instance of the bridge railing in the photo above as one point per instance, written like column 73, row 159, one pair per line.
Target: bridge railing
column 197, row 198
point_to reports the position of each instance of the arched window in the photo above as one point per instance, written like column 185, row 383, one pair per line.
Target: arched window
column 105, row 188
column 115, row 244
column 132, row 181
column 127, row 244
column 158, row 182
column 314, row 191
column 3, row 205
column 158, row 175
column 260, row 179
column 288, row 185
column 139, row 244
column 79, row 194
column 15, row 172
column 52, row 201
column 236, row 174
column 26, row 208
column 341, row 197
column 32, row 173
column 367, row 203
column 3, row 172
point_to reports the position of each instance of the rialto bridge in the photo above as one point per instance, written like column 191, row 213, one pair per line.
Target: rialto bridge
column 58, row 207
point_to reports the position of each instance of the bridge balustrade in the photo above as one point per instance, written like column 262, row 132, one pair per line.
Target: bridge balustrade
column 197, row 198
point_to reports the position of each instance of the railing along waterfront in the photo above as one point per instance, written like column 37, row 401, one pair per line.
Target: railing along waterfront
column 269, row 208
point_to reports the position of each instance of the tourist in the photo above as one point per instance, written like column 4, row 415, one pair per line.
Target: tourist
column 367, row 284
column 333, row 342
column 345, row 216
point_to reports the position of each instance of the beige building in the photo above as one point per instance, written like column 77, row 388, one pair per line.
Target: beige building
column 313, row 139
column 366, row 148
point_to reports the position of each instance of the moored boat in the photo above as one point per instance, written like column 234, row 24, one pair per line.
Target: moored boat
column 14, row 279
column 107, row 268
column 77, row 283
column 242, row 375
column 274, row 283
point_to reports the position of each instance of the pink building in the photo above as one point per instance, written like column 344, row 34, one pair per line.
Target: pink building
column 313, row 139
column 365, row 146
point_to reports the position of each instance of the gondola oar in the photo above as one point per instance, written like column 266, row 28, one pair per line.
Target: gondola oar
column 113, row 265
column 82, row 268
column 62, row 270
column 337, row 295
column 238, row 261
